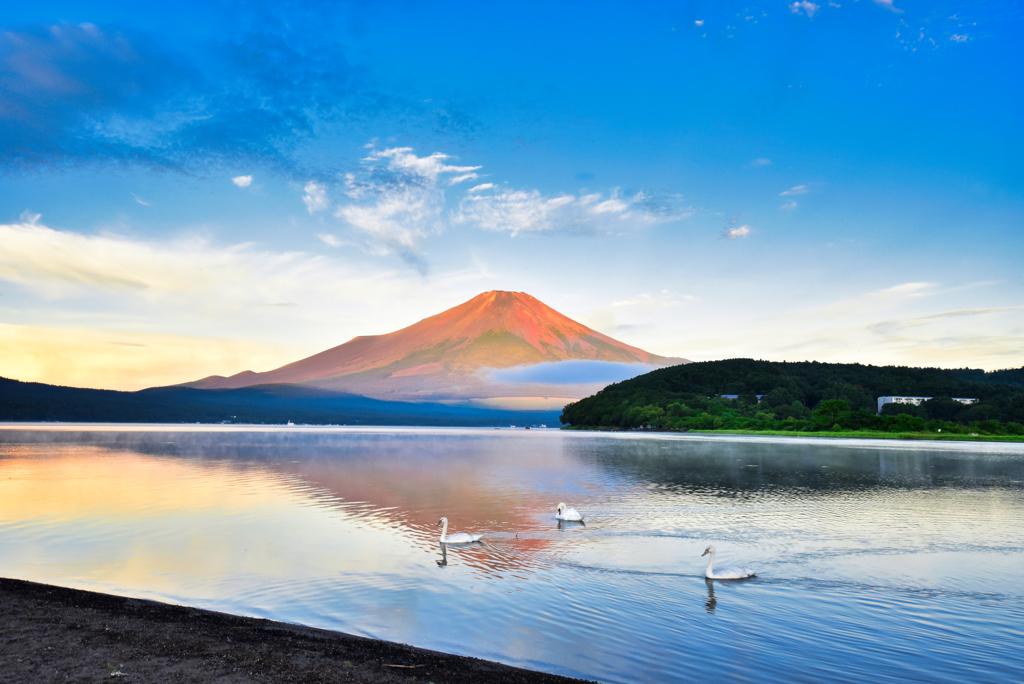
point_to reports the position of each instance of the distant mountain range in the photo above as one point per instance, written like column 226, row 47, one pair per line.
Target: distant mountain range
column 464, row 354
column 271, row 404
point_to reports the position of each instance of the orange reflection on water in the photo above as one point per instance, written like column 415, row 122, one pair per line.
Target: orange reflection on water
column 155, row 525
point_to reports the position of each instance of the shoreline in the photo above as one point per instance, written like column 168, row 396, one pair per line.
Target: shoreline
column 55, row 633
column 826, row 434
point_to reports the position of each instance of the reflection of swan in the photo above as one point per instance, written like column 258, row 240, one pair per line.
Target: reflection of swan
column 569, row 524
column 570, row 514
column 724, row 573
column 444, row 556
column 710, row 604
column 458, row 538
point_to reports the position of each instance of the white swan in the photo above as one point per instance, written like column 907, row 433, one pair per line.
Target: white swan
column 724, row 573
column 566, row 513
column 458, row 538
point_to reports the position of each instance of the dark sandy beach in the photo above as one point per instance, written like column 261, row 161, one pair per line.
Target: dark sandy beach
column 54, row 634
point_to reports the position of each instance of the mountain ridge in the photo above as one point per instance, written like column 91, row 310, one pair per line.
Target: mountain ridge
column 441, row 356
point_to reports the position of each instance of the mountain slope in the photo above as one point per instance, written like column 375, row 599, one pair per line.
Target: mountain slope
column 441, row 357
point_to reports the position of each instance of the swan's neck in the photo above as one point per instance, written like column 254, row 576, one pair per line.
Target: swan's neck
column 711, row 564
column 444, row 531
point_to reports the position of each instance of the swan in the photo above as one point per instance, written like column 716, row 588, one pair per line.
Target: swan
column 566, row 513
column 458, row 538
column 724, row 573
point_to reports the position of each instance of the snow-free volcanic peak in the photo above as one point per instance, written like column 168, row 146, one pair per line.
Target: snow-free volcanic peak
column 441, row 357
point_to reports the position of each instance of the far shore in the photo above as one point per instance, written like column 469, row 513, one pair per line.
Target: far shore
column 58, row 634
column 860, row 434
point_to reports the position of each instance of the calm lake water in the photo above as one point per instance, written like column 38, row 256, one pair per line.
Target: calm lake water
column 876, row 561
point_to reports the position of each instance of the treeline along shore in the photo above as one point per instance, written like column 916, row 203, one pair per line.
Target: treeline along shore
column 745, row 394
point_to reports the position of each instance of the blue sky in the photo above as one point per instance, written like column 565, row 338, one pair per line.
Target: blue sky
column 216, row 187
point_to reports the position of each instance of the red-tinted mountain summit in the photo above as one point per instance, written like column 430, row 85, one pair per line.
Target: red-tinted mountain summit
column 441, row 357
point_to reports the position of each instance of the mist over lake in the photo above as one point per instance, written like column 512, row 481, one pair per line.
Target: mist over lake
column 875, row 561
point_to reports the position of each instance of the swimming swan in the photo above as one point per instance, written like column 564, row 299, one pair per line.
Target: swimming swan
column 566, row 513
column 459, row 538
column 724, row 573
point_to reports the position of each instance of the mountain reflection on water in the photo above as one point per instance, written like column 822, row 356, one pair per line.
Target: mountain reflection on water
column 876, row 560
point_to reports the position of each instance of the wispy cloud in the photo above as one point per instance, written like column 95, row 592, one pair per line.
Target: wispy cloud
column 529, row 211
column 315, row 197
column 84, row 301
column 796, row 190
column 903, row 291
column 85, row 94
column 788, row 206
column 56, row 262
column 963, row 313
column 959, row 38
column 888, row 4
column 242, row 181
column 808, row 8
column 397, row 199
column 763, row 161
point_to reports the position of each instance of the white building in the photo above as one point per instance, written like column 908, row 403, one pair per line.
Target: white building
column 916, row 401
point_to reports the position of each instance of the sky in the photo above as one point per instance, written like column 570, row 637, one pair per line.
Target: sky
column 206, row 188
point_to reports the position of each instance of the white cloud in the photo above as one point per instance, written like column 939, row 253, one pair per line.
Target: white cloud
column 887, row 4
column 315, row 197
column 398, row 200
column 242, row 181
column 958, row 38
column 903, row 291
column 796, row 190
column 61, row 287
column 403, row 159
column 699, row 22
column 737, row 232
column 808, row 7
column 140, row 200
column 58, row 263
column 329, row 239
column 788, row 206
column 528, row 211
column 763, row 161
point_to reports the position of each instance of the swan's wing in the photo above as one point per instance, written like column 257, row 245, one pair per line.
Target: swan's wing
column 733, row 573
column 462, row 538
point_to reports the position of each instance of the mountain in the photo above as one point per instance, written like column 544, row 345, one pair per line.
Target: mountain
column 453, row 357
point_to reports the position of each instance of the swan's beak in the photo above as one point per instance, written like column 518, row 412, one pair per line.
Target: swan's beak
column 705, row 552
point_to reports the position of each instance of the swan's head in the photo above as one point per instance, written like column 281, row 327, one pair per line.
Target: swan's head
column 442, row 521
column 561, row 507
column 710, row 549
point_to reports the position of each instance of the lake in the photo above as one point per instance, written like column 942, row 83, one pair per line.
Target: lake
column 882, row 561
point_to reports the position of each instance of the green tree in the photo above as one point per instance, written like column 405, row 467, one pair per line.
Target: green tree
column 828, row 411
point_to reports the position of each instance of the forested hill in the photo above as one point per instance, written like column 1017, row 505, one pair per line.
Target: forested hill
column 1010, row 376
column 690, row 395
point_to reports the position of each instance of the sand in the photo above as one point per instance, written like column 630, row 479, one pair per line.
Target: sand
column 54, row 634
